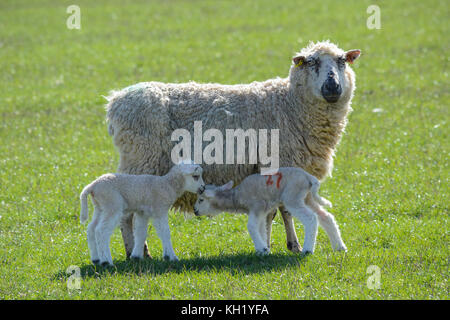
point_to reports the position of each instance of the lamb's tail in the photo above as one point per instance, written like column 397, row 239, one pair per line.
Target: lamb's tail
column 315, row 185
column 84, row 214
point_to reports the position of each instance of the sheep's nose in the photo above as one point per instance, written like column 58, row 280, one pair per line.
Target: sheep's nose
column 331, row 89
column 196, row 212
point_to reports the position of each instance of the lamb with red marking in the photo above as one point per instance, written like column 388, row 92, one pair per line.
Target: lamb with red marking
column 259, row 195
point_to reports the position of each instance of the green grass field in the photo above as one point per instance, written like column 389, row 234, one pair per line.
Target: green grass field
column 390, row 184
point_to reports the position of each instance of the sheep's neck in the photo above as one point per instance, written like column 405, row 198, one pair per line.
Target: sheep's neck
column 318, row 126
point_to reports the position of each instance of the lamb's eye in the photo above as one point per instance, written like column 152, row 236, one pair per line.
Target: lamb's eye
column 196, row 177
column 200, row 200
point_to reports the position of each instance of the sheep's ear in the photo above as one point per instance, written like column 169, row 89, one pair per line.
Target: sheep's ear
column 299, row 60
column 352, row 55
column 227, row 186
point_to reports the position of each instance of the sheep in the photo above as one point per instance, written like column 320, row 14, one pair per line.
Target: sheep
column 258, row 195
column 309, row 107
column 114, row 195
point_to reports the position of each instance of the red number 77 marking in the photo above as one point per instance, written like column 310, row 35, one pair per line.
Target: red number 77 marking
column 269, row 180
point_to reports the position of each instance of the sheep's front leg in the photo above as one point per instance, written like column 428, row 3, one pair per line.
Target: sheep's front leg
column 253, row 226
column 126, row 227
column 161, row 224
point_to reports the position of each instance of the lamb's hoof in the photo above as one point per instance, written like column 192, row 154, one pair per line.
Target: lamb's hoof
column 96, row 261
column 106, row 264
column 168, row 258
column 341, row 248
column 136, row 258
column 294, row 247
column 263, row 252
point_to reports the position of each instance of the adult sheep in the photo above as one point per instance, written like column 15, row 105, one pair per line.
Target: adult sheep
column 309, row 108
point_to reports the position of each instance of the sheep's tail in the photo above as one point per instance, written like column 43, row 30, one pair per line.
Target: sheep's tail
column 84, row 214
column 315, row 185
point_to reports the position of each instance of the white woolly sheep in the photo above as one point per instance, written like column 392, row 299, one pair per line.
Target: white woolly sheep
column 114, row 195
column 258, row 195
column 309, row 107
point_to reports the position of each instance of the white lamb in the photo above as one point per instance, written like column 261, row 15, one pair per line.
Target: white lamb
column 115, row 195
column 259, row 195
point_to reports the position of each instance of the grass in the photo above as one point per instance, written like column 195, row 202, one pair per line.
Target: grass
column 389, row 188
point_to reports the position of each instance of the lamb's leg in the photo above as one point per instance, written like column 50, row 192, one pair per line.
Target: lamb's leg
column 328, row 223
column 262, row 228
column 140, row 225
column 126, row 227
column 291, row 237
column 103, row 231
column 253, row 229
column 309, row 220
column 92, row 243
column 161, row 224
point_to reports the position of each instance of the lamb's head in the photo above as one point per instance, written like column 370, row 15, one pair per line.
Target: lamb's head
column 212, row 200
column 321, row 72
column 192, row 175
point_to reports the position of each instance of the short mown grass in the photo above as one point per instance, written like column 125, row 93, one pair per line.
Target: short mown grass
column 390, row 184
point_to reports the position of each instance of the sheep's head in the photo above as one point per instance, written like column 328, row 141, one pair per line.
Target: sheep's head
column 322, row 72
column 211, row 201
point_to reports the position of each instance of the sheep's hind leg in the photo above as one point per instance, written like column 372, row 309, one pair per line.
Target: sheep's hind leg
column 291, row 237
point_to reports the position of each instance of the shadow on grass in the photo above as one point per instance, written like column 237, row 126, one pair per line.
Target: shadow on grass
column 236, row 263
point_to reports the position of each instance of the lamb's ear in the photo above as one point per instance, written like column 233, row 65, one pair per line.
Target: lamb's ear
column 209, row 193
column 187, row 168
column 298, row 60
column 352, row 55
column 227, row 186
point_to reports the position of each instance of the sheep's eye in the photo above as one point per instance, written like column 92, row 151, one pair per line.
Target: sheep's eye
column 200, row 200
column 341, row 61
column 196, row 177
column 313, row 62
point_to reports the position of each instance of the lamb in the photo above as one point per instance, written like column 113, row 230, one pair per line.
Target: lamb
column 309, row 107
column 114, row 195
column 258, row 195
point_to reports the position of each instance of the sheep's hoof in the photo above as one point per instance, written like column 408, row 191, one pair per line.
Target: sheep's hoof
column 294, row 247
column 96, row 261
column 106, row 264
column 307, row 253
